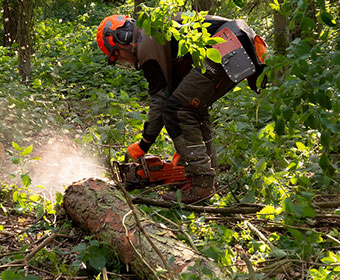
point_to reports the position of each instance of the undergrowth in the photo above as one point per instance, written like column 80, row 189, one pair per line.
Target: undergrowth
column 279, row 149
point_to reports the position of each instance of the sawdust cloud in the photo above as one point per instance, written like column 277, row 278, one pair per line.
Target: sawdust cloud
column 61, row 163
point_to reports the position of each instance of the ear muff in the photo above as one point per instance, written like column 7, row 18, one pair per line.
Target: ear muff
column 124, row 37
column 123, row 34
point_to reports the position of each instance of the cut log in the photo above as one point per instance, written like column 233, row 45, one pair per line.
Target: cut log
column 101, row 208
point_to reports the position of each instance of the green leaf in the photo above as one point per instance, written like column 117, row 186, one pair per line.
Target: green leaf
column 147, row 27
column 279, row 253
column 240, row 3
column 327, row 18
column 211, row 252
column 323, row 100
column 302, row 50
column 307, row 24
column 214, row 55
column 325, row 138
column 337, row 82
column 324, row 161
column 27, row 150
column 171, row 260
column 331, row 258
column 287, row 113
column 301, row 147
column 26, row 180
column 124, row 96
column 34, row 197
column 179, row 196
column 16, row 146
column 15, row 160
column 279, row 126
column 15, row 196
column 98, row 262
column 308, row 212
column 336, row 58
column 298, row 236
column 214, row 41
column 275, row 5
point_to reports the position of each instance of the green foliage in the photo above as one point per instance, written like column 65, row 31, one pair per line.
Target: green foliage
column 191, row 34
column 279, row 148
column 11, row 275
column 95, row 255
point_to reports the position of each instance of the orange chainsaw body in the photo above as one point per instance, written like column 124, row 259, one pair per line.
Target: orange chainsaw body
column 151, row 170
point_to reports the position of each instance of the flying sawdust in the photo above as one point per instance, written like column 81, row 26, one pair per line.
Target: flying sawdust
column 61, row 163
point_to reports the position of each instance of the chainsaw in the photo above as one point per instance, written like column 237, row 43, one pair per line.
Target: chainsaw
column 149, row 170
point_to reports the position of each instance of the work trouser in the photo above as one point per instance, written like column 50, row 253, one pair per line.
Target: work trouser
column 187, row 121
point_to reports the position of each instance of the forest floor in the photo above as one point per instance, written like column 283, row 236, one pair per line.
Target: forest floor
column 50, row 247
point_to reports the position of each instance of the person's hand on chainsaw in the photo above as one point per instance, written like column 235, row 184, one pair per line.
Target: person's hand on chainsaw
column 137, row 150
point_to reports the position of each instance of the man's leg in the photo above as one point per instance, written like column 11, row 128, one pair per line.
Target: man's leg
column 208, row 138
column 184, row 123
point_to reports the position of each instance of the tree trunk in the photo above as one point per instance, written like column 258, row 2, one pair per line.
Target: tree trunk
column 281, row 40
column 281, row 33
column 102, row 210
column 10, row 21
column 24, row 38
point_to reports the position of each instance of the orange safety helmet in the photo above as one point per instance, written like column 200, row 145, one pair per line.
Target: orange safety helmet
column 112, row 30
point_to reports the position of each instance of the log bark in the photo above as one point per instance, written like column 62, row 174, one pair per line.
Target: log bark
column 102, row 209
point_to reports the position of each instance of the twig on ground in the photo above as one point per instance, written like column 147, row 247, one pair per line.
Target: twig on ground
column 31, row 254
column 23, row 231
column 327, row 204
column 307, row 229
column 180, row 227
column 251, row 270
column 259, row 234
column 105, row 277
column 42, row 270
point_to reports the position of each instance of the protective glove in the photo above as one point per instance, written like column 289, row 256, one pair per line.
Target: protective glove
column 134, row 151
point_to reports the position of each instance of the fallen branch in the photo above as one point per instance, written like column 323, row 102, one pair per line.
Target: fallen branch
column 327, row 204
column 259, row 234
column 25, row 260
column 236, row 209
